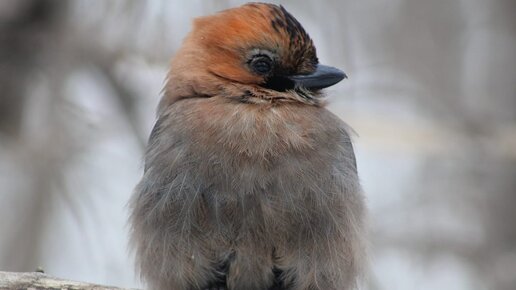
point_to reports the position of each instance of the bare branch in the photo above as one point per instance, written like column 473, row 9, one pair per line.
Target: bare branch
column 36, row 280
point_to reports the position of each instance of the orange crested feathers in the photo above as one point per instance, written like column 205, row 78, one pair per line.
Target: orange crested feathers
column 216, row 50
column 230, row 32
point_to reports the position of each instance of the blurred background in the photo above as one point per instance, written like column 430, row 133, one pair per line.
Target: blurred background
column 431, row 95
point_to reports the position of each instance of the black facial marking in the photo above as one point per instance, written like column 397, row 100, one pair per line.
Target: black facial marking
column 279, row 83
column 292, row 54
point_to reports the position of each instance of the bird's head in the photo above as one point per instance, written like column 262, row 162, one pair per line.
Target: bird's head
column 253, row 53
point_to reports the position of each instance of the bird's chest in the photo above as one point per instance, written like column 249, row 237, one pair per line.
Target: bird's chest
column 260, row 194
column 254, row 164
column 243, row 133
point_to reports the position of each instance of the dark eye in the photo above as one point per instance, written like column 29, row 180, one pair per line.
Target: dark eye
column 261, row 64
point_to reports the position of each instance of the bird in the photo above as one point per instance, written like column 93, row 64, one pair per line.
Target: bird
column 250, row 182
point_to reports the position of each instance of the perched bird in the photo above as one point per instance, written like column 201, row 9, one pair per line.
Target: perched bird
column 249, row 182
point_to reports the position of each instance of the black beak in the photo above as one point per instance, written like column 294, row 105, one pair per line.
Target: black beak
column 323, row 77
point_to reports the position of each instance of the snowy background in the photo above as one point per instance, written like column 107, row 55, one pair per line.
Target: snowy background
column 431, row 95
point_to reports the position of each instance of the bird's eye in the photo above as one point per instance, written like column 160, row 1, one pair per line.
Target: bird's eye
column 261, row 64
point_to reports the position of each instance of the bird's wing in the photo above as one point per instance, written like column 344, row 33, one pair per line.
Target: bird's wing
column 153, row 138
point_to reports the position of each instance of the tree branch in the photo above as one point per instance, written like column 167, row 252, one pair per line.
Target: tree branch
column 36, row 280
